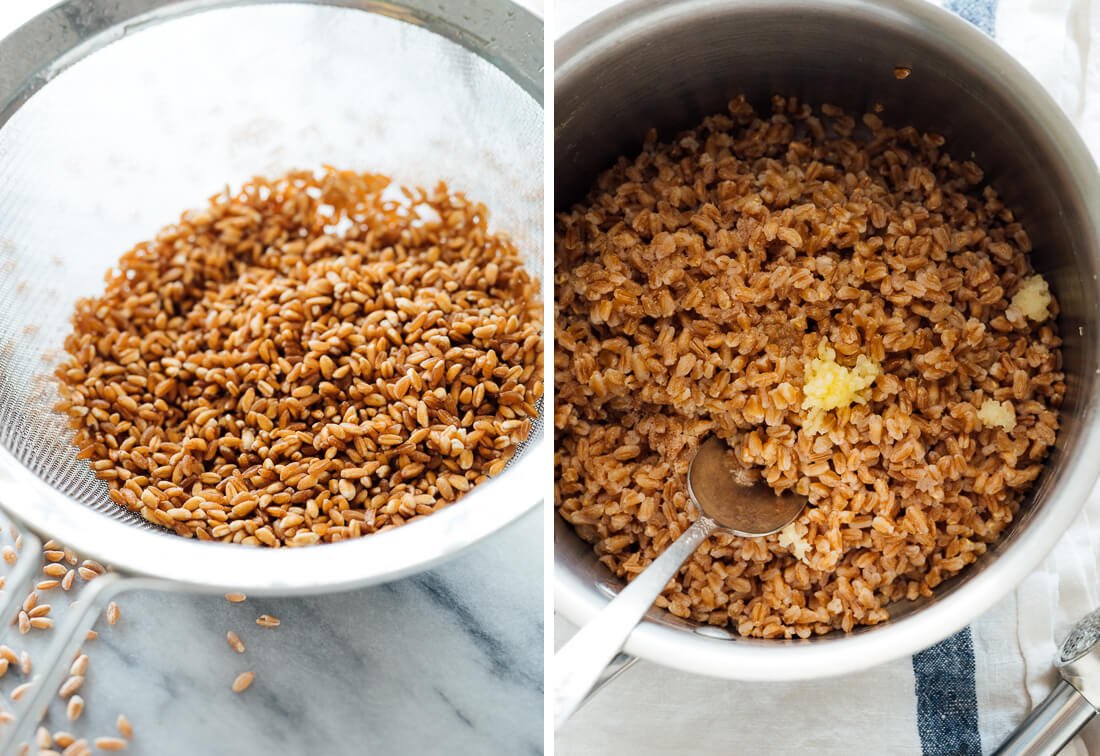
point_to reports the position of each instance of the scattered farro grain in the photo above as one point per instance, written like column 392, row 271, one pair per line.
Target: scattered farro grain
column 43, row 738
column 266, row 620
column 235, row 598
column 85, row 573
column 67, row 581
column 125, row 729
column 77, row 748
column 235, row 642
column 21, row 690
column 112, row 613
column 54, row 555
column 9, row 554
column 46, row 585
column 405, row 346
column 694, row 285
column 79, row 665
column 71, row 686
column 110, row 744
column 91, row 635
column 63, row 739
column 243, row 680
column 93, row 565
column 6, row 716
column 41, row 623
column 25, row 664
column 55, row 570
column 74, row 708
column 24, row 622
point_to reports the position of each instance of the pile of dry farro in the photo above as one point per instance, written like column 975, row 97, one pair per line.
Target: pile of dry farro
column 307, row 360
column 700, row 287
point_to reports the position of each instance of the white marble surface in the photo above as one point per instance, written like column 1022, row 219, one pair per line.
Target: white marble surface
column 446, row 662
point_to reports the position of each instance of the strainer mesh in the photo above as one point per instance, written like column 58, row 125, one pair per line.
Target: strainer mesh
column 115, row 147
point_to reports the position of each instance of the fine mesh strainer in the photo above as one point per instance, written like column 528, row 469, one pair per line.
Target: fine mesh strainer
column 112, row 122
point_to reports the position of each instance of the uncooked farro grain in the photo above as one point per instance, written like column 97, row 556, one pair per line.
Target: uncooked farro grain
column 695, row 284
column 235, row 598
column 113, row 613
column 74, row 708
column 71, row 686
column 240, row 364
column 235, row 642
column 110, row 743
column 242, row 681
column 79, row 665
column 125, row 729
column 266, row 620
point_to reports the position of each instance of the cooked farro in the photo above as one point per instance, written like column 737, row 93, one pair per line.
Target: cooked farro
column 311, row 359
column 694, row 285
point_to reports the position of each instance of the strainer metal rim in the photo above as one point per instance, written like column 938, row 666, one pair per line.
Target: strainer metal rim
column 507, row 36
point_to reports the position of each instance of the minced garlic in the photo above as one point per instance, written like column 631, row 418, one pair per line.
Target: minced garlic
column 1033, row 298
column 999, row 414
column 790, row 538
column 829, row 385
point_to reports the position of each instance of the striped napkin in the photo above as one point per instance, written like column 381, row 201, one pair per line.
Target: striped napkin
column 963, row 696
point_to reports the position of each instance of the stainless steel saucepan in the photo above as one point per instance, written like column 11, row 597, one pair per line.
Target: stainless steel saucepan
column 652, row 63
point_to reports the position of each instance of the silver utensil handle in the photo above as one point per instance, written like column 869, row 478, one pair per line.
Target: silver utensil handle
column 1050, row 725
column 581, row 661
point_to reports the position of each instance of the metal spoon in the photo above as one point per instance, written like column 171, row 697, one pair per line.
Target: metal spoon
column 728, row 501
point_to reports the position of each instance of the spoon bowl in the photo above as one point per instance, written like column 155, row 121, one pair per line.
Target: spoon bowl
column 737, row 499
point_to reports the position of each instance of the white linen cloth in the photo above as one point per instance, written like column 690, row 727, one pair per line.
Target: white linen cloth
column 654, row 710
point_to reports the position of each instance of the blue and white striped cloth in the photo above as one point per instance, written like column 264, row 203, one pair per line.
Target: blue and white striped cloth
column 963, row 696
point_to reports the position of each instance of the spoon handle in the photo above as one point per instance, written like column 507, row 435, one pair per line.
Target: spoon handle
column 579, row 663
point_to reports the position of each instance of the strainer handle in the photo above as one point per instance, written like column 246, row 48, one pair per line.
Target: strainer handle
column 67, row 638
column 579, row 664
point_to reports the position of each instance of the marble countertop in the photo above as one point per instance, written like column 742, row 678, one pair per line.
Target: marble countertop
column 446, row 662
